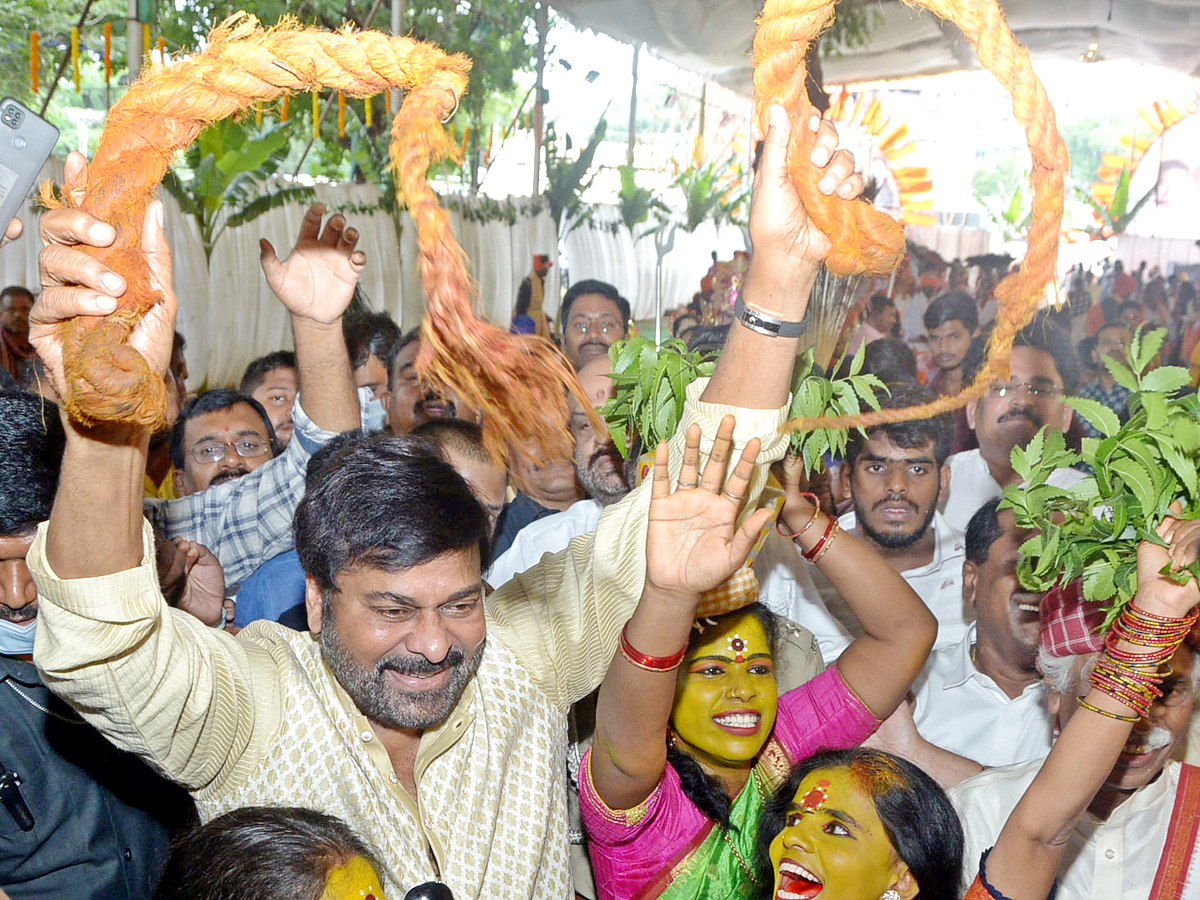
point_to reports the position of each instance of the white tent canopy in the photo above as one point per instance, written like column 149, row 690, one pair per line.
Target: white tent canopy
column 713, row 37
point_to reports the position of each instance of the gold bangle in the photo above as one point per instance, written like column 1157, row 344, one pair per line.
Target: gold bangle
column 1107, row 714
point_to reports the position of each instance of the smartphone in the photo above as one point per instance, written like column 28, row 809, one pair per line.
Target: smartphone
column 26, row 140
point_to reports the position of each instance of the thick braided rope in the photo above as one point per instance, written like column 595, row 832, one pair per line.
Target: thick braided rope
column 786, row 28
column 244, row 64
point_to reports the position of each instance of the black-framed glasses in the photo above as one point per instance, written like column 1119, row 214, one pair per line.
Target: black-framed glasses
column 1003, row 389
column 246, row 448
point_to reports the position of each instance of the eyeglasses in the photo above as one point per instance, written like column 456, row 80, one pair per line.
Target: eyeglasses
column 214, row 451
column 583, row 326
column 1035, row 391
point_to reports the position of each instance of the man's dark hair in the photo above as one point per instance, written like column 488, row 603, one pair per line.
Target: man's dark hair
column 31, row 451
column 216, row 400
column 1042, row 334
column 952, row 306
column 708, row 339
column 983, row 531
column 916, row 814
column 891, row 360
column 14, row 290
column 411, row 336
column 387, row 502
column 267, row 853
column 592, row 286
column 369, row 334
column 258, row 369
column 936, row 430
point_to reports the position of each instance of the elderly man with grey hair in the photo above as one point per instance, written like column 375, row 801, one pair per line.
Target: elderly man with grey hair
column 1140, row 829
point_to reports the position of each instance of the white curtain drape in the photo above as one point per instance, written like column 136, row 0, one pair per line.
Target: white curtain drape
column 229, row 316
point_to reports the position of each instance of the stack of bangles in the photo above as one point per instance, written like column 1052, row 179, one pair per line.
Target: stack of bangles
column 645, row 662
column 821, row 547
column 1133, row 678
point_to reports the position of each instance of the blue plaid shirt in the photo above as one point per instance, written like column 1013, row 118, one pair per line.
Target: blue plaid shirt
column 1115, row 399
column 246, row 521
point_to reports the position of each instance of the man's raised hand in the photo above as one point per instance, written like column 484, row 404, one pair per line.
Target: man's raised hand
column 317, row 279
column 693, row 543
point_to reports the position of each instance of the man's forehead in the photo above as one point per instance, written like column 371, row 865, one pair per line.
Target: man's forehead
column 881, row 447
column 594, row 306
column 1032, row 364
column 241, row 417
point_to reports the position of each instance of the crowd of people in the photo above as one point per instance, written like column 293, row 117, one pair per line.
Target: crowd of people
column 311, row 640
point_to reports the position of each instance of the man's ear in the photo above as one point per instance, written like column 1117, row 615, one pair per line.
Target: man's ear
column 1067, row 415
column 183, row 483
column 905, row 884
column 970, row 582
column 972, row 405
column 944, row 480
column 314, row 604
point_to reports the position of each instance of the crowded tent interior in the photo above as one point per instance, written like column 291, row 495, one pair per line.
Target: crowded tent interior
column 600, row 450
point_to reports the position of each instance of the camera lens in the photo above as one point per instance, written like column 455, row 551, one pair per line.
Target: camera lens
column 19, row 142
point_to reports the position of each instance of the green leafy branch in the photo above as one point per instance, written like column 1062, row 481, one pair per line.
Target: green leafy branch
column 651, row 387
column 815, row 396
column 1092, row 529
column 652, row 384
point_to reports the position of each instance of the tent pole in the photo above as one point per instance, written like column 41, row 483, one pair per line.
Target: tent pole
column 637, row 49
column 543, row 25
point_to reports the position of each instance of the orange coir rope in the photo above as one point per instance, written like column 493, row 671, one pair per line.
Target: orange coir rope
column 867, row 241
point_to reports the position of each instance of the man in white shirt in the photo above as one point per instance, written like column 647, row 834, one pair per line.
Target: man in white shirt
column 982, row 698
column 1009, row 415
column 896, row 474
column 1116, row 851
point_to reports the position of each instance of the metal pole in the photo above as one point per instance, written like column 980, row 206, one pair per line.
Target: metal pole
column 543, row 25
column 700, row 145
column 133, row 41
column 397, row 29
column 637, row 49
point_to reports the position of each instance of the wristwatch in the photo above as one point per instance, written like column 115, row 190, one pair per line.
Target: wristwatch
column 765, row 324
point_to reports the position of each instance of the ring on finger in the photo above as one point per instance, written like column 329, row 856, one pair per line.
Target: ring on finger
column 732, row 496
column 688, row 484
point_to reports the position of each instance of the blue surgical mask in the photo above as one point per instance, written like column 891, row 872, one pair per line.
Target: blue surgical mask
column 17, row 640
column 371, row 409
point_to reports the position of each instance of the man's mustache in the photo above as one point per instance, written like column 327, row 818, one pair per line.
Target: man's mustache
column 418, row 665
column 892, row 501
column 1021, row 413
column 228, row 475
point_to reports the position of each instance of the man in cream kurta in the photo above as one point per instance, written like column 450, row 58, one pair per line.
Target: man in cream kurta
column 261, row 720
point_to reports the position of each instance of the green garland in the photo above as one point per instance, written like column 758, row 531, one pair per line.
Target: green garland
column 1140, row 468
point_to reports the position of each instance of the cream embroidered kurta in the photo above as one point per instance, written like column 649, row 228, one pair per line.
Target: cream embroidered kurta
column 260, row 719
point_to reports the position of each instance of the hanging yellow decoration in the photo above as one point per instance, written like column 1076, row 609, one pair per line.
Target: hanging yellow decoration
column 316, row 111
column 341, row 114
column 108, row 52
column 367, row 115
column 75, row 56
column 35, row 61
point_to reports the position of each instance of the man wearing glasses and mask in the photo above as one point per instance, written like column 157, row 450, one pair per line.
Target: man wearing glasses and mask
column 1009, row 415
column 594, row 317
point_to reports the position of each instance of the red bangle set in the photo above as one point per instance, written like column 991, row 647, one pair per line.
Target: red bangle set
column 645, row 662
column 1130, row 678
column 821, row 547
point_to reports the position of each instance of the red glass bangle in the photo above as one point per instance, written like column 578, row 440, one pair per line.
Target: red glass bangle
column 649, row 663
column 811, row 498
column 815, row 551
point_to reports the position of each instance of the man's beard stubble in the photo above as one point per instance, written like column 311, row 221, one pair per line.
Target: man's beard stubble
column 891, row 540
column 387, row 703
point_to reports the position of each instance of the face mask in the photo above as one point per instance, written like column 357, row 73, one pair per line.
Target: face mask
column 371, row 409
column 16, row 640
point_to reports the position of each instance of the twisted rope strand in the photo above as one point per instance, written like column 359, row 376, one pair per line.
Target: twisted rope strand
column 244, row 64
column 786, row 29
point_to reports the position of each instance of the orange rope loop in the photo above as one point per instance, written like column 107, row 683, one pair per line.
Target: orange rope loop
column 866, row 240
column 242, row 65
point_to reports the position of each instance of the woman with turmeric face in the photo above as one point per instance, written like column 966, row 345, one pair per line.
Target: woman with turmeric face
column 689, row 744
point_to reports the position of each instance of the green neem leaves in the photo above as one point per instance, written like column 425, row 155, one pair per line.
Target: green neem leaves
column 815, row 396
column 1139, row 469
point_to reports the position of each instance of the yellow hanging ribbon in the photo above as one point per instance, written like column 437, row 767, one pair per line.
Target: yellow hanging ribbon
column 75, row 56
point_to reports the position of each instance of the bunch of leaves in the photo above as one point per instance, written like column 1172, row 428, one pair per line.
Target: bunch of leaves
column 651, row 387
column 816, row 396
column 1010, row 209
column 220, row 184
column 635, row 203
column 1114, row 218
column 1140, row 468
column 568, row 179
column 714, row 192
column 651, row 384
